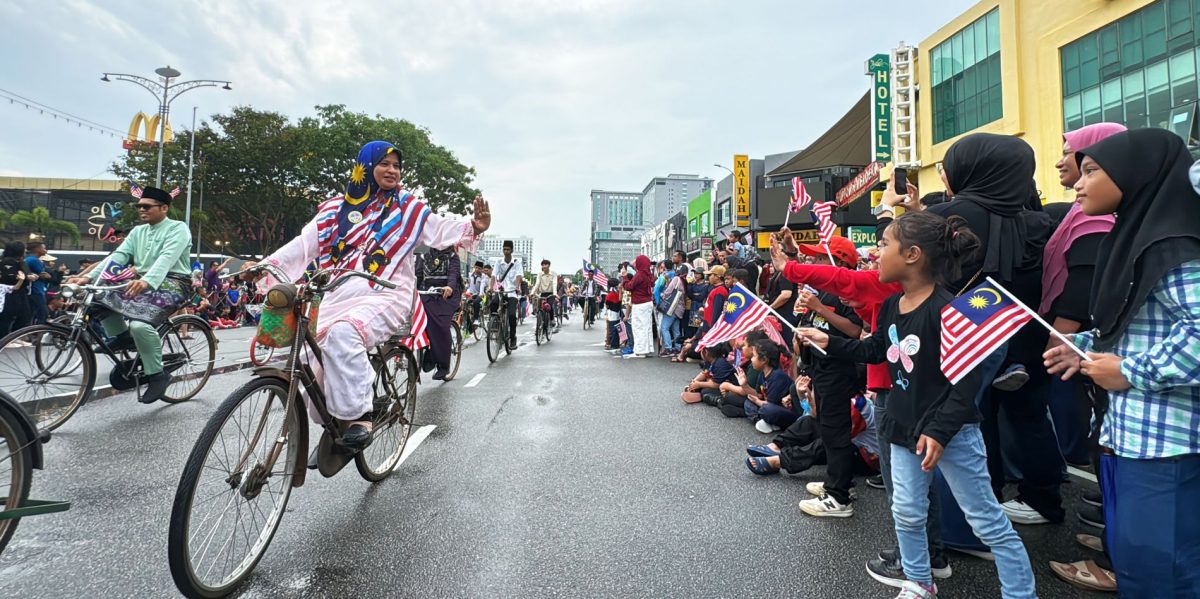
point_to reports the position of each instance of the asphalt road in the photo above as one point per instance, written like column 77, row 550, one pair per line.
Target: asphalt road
column 560, row 473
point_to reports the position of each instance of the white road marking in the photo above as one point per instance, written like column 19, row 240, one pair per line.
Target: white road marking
column 1082, row 474
column 475, row 379
column 414, row 441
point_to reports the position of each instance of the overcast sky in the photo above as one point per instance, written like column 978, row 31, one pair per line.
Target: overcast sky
column 547, row 99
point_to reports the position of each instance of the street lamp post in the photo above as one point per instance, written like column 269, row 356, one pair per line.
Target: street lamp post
column 165, row 92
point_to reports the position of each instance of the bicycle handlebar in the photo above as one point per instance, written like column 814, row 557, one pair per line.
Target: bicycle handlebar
column 433, row 291
column 98, row 287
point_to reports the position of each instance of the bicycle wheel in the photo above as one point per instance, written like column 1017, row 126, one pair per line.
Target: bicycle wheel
column 477, row 328
column 505, row 333
column 538, row 328
column 16, row 470
column 456, row 349
column 189, row 359
column 47, row 372
column 493, row 338
column 228, row 504
column 395, row 406
column 260, row 354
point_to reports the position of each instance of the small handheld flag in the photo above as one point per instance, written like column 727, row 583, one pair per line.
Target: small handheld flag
column 800, row 197
column 976, row 324
column 821, row 212
column 135, row 190
column 743, row 312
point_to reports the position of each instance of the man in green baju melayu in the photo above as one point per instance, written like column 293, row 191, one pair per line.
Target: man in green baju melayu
column 155, row 257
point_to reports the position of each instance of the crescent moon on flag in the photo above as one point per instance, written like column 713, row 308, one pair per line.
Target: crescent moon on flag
column 994, row 293
column 731, row 307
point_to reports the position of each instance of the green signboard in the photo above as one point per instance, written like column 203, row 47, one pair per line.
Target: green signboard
column 880, row 70
column 862, row 236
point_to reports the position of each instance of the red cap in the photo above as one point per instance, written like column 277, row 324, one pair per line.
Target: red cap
column 842, row 249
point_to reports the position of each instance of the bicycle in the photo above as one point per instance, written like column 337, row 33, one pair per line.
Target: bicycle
column 252, row 446
column 467, row 320
column 545, row 316
column 50, row 369
column 589, row 308
column 497, row 326
column 259, row 354
column 20, row 454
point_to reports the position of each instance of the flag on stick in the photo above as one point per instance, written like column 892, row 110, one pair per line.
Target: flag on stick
column 800, row 197
column 743, row 312
column 135, row 190
column 821, row 212
column 976, row 324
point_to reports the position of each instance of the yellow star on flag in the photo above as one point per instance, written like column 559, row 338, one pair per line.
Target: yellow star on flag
column 978, row 302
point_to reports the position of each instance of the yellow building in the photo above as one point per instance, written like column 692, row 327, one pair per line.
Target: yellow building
column 1035, row 69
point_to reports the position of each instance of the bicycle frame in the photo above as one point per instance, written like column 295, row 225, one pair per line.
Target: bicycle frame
column 295, row 373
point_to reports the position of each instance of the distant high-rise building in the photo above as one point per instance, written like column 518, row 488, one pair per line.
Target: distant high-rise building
column 492, row 246
column 667, row 196
column 616, row 227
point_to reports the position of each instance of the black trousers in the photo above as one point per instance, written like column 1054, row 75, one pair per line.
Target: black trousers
column 1031, row 445
column 834, row 424
column 512, row 305
column 440, row 339
column 16, row 312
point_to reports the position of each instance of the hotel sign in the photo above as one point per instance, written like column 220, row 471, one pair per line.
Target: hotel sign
column 880, row 69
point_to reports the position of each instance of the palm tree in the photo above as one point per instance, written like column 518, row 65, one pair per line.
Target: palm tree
column 39, row 221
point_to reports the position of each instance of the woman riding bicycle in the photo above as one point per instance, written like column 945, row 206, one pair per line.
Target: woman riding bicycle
column 373, row 227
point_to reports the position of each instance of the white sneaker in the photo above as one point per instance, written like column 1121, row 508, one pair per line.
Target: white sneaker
column 826, row 507
column 763, row 427
column 912, row 590
column 818, row 489
column 1020, row 513
column 633, row 356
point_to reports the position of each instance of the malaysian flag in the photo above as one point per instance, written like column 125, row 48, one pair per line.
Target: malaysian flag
column 743, row 312
column 418, row 337
column 976, row 324
column 597, row 274
column 117, row 273
column 773, row 329
column 135, row 190
column 622, row 334
column 174, row 193
column 800, row 197
column 821, row 212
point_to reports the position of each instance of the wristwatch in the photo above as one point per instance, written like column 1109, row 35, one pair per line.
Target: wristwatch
column 881, row 208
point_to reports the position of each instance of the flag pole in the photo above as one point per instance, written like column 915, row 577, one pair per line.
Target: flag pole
column 829, row 252
column 782, row 319
column 1039, row 319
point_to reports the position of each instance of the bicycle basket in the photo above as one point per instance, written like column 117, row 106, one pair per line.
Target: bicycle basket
column 277, row 324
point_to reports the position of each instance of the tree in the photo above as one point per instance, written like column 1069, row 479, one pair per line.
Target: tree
column 39, row 221
column 264, row 174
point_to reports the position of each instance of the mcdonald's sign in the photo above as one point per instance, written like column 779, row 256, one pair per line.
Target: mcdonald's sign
column 150, row 124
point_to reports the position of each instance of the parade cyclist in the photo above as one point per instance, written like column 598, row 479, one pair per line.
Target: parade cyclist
column 374, row 228
column 155, row 257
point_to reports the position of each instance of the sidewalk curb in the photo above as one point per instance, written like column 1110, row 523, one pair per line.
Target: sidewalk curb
column 108, row 391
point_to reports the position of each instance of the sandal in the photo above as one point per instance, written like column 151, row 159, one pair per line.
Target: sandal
column 760, row 466
column 1092, row 542
column 1085, row 575
column 761, row 451
column 676, row 359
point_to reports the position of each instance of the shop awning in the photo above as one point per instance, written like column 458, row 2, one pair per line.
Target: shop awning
column 847, row 142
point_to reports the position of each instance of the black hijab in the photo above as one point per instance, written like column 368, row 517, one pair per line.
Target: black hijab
column 995, row 172
column 1158, row 224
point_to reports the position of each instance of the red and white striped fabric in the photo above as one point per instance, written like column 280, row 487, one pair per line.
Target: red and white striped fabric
column 418, row 337
column 174, row 193
column 821, row 212
column 601, row 279
column 743, row 313
column 976, row 324
column 800, row 197
column 135, row 190
column 772, row 328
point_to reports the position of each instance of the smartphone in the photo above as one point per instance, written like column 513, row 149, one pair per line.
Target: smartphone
column 900, row 180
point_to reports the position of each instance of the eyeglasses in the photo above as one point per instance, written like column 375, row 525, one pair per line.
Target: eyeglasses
column 141, row 206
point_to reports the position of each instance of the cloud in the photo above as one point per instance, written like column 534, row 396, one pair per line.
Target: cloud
column 546, row 99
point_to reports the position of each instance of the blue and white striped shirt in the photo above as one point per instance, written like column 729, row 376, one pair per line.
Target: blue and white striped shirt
column 1159, row 416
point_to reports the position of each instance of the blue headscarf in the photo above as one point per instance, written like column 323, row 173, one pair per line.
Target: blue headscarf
column 362, row 184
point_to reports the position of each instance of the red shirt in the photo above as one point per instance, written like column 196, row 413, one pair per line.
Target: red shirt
column 858, row 285
column 716, row 296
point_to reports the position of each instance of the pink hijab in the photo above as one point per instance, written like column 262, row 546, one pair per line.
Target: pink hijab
column 1076, row 224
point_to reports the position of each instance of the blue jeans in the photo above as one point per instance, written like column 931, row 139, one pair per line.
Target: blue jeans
column 37, row 301
column 668, row 331
column 964, row 465
column 1153, row 532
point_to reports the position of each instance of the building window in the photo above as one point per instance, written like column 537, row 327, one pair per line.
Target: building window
column 693, row 228
column 723, row 213
column 1133, row 71
column 966, row 79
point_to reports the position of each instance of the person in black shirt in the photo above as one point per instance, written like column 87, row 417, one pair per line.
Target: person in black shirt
column 15, row 276
column 782, row 296
column 834, row 382
column 930, row 422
